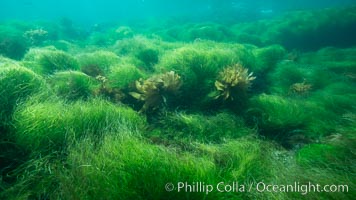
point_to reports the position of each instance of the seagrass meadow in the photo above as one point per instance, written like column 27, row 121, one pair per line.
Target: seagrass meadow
column 215, row 105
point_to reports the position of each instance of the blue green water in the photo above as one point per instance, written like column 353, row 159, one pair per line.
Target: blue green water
column 93, row 11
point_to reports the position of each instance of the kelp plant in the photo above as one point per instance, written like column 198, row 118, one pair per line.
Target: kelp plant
column 232, row 80
column 105, row 90
column 300, row 89
column 154, row 90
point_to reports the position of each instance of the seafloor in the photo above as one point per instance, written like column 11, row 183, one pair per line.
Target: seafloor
column 177, row 109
